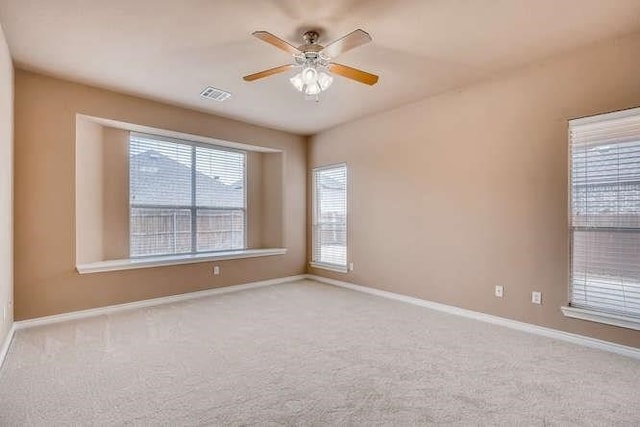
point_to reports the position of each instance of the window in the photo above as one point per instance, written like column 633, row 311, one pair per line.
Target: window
column 605, row 215
column 185, row 197
column 330, row 217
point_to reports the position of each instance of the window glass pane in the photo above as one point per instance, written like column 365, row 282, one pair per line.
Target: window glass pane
column 605, row 214
column 330, row 216
column 159, row 172
column 220, row 229
column 606, row 185
column 160, row 231
column 606, row 270
column 171, row 215
column 219, row 178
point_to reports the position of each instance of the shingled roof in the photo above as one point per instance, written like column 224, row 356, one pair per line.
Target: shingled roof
column 156, row 179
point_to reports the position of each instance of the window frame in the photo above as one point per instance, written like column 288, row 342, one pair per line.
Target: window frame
column 339, row 268
column 592, row 314
column 193, row 207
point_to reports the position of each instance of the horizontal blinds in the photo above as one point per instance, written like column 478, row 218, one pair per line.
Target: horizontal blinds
column 159, row 172
column 220, row 178
column 605, row 213
column 184, row 197
column 330, row 215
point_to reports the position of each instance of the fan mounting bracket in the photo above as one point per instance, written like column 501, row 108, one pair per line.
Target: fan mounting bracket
column 311, row 37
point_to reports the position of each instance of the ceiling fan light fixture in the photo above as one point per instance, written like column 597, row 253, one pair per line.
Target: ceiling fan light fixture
column 297, row 82
column 312, row 90
column 324, row 80
column 311, row 82
column 309, row 75
column 313, row 60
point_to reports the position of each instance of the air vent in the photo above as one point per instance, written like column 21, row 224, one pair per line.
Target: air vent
column 215, row 94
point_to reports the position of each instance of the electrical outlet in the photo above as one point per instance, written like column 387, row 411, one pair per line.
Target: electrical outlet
column 499, row 291
column 536, row 297
column 350, row 266
column 216, row 270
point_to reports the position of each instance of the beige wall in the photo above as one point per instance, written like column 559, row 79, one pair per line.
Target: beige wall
column 264, row 199
column 89, row 190
column 272, row 196
column 102, row 194
column 254, row 205
column 45, row 279
column 6, row 189
column 464, row 191
column 115, row 193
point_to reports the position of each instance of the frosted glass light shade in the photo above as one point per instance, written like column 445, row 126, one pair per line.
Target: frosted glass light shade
column 309, row 76
column 324, row 80
column 297, row 82
column 311, row 82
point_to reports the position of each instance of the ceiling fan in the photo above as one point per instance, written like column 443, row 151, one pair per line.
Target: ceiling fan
column 314, row 60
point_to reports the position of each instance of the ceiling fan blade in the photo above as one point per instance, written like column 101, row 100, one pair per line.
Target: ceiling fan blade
column 353, row 39
column 269, row 72
column 353, row 74
column 276, row 41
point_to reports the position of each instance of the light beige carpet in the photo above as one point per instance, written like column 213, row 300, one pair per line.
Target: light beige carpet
column 307, row 354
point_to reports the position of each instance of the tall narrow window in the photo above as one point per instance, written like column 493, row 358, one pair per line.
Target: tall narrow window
column 330, row 217
column 184, row 197
column 605, row 213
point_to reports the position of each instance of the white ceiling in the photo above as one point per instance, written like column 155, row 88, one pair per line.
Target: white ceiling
column 169, row 50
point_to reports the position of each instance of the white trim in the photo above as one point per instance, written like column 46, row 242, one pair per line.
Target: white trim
column 93, row 312
column 513, row 324
column 6, row 344
column 314, row 213
column 330, row 267
column 601, row 317
column 597, row 118
column 132, row 263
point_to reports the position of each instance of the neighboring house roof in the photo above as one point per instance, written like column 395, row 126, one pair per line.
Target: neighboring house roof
column 156, row 179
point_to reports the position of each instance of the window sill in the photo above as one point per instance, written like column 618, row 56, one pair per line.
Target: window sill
column 330, row 267
column 133, row 263
column 600, row 317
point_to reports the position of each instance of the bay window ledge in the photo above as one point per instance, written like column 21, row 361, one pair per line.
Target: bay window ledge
column 602, row 317
column 164, row 260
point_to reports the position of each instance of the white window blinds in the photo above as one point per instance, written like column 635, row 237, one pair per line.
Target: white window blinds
column 184, row 197
column 605, row 213
column 330, row 216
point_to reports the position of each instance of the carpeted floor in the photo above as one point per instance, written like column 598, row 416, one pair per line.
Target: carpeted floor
column 305, row 353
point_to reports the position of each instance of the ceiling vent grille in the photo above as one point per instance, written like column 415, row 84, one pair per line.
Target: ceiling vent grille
column 216, row 94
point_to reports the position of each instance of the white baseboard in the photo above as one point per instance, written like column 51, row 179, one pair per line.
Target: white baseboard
column 92, row 312
column 4, row 349
column 513, row 324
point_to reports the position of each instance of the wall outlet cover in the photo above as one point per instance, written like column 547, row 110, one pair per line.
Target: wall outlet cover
column 499, row 291
column 536, row 297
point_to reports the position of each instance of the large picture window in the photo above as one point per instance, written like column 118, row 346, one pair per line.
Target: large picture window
column 330, row 217
column 185, row 197
column 605, row 213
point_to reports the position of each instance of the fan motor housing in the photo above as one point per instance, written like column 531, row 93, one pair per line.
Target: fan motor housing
column 311, row 48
